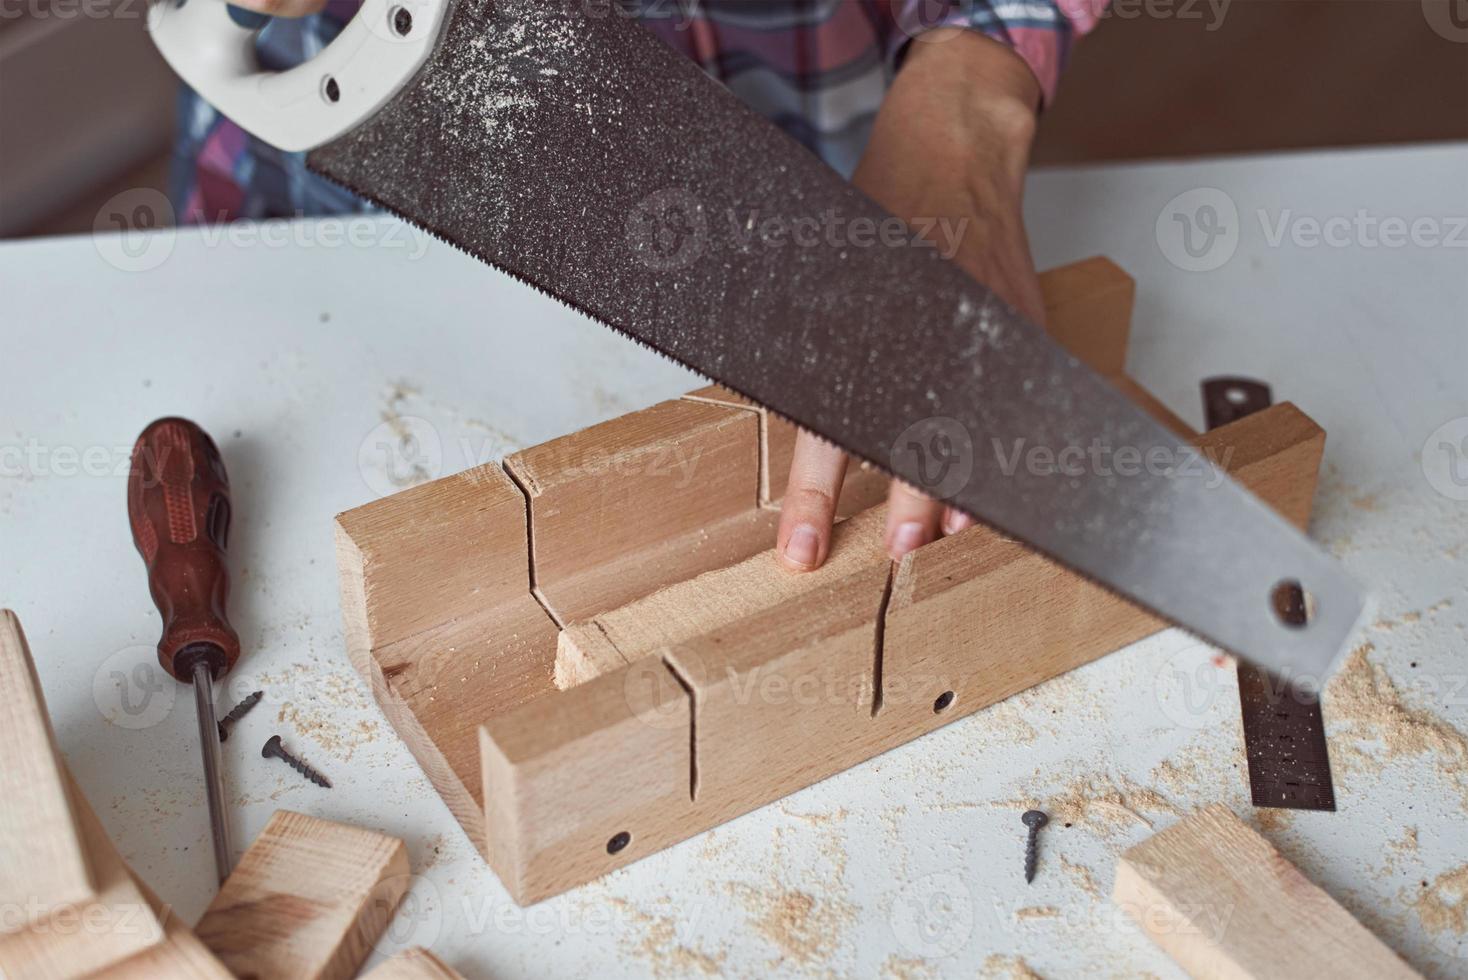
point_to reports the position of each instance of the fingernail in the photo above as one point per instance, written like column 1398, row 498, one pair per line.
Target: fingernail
column 803, row 546
column 910, row 536
column 955, row 521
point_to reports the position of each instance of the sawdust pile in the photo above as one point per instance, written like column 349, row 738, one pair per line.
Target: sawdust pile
column 1000, row 967
column 1083, row 876
column 1100, row 803
column 656, row 943
column 1443, row 904
column 900, row 969
column 1363, row 702
column 804, row 928
column 1037, row 912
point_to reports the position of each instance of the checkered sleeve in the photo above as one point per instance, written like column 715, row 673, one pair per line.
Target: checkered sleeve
column 1040, row 31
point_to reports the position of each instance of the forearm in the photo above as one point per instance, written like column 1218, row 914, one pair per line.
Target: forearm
column 952, row 141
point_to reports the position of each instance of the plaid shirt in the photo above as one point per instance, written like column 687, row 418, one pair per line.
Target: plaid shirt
column 817, row 68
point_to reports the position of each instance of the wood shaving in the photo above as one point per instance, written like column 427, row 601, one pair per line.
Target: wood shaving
column 1037, row 912
column 1083, row 876
column 1100, row 803
column 659, row 948
column 901, row 969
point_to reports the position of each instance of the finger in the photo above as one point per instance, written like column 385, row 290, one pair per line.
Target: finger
column 955, row 520
column 912, row 519
column 809, row 507
column 281, row 8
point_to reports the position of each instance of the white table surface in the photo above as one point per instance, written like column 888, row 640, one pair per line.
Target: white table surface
column 292, row 347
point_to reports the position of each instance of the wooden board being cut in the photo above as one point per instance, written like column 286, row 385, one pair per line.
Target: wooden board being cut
column 414, row 964
column 78, row 940
column 1224, row 903
column 41, row 848
column 307, row 900
column 697, row 679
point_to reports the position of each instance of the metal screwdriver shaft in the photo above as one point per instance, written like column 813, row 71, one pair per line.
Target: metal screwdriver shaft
column 213, row 772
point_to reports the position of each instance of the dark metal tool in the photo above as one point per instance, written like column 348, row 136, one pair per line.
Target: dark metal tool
column 1284, row 733
column 179, row 509
column 575, row 151
column 274, row 750
column 238, row 712
column 1033, row 819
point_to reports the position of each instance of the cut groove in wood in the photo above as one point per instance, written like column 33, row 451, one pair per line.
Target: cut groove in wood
column 42, row 854
column 307, row 900
column 1224, row 903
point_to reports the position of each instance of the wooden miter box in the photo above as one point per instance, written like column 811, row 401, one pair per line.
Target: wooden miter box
column 594, row 655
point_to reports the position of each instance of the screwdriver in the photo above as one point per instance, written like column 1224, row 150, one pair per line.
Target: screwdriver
column 179, row 509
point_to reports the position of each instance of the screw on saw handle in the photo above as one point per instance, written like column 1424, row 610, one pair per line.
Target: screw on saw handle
column 179, row 509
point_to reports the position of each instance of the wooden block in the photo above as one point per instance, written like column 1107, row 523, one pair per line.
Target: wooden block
column 1088, row 310
column 642, row 501
column 1224, row 903
column 564, row 775
column 79, row 939
column 976, row 614
column 439, row 617
column 713, row 600
column 307, row 900
column 983, row 617
column 414, row 964
column 41, row 849
column 180, row 956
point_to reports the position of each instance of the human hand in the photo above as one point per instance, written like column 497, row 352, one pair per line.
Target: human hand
column 952, row 141
column 282, row 8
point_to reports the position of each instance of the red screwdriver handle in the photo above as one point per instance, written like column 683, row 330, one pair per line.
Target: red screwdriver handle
column 178, row 505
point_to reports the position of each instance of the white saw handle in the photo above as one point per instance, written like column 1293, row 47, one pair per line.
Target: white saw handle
column 375, row 55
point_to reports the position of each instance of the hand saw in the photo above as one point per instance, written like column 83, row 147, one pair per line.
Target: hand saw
column 562, row 143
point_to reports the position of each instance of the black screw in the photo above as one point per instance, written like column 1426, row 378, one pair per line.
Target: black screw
column 274, row 750
column 942, row 701
column 1033, row 819
column 619, row 840
column 238, row 712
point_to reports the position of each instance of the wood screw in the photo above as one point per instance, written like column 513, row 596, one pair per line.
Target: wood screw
column 238, row 712
column 274, row 750
column 1033, row 819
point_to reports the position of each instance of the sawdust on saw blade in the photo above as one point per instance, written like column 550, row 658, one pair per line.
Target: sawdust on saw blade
column 1363, row 702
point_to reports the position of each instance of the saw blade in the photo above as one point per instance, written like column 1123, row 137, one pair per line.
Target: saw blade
column 566, row 145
